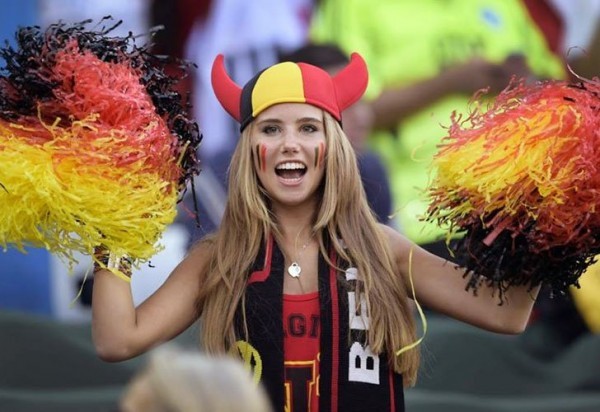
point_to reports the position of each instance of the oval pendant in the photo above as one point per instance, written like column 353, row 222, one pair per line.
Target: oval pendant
column 294, row 270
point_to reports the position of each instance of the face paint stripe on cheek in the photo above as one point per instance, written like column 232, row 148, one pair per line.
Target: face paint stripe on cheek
column 258, row 158
column 263, row 157
column 319, row 154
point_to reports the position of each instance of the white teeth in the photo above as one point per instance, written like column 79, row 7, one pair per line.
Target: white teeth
column 291, row 166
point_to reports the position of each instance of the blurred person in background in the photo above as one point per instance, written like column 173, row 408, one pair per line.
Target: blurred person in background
column 428, row 58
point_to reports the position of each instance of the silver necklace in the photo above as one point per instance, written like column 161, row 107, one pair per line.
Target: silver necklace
column 295, row 269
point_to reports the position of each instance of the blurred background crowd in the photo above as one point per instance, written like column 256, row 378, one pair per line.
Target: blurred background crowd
column 426, row 59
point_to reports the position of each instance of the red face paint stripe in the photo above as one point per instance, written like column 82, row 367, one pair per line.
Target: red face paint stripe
column 263, row 157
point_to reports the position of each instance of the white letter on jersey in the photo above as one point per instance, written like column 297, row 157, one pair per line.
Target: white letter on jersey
column 363, row 365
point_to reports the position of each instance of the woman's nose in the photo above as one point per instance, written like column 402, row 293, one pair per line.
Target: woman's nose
column 291, row 143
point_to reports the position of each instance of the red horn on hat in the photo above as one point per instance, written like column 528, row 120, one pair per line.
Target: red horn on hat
column 227, row 91
column 351, row 82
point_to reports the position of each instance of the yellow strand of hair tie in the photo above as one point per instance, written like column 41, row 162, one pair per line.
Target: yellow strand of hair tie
column 421, row 314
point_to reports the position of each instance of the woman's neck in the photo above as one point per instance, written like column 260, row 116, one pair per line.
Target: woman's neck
column 293, row 221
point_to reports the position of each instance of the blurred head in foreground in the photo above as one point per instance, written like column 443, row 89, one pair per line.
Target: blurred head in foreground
column 181, row 381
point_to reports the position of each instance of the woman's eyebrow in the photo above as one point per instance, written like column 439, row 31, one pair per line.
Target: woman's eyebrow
column 309, row 119
column 274, row 120
column 300, row 120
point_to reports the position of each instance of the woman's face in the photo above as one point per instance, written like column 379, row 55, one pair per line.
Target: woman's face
column 288, row 144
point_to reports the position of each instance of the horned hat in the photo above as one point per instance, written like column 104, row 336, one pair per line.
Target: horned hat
column 289, row 82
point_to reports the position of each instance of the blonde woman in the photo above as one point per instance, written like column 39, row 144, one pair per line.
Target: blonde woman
column 180, row 381
column 300, row 281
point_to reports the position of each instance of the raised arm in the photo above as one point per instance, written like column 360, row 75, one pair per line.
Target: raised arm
column 120, row 331
column 440, row 285
column 397, row 103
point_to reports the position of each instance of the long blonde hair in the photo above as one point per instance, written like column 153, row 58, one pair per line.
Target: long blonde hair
column 342, row 213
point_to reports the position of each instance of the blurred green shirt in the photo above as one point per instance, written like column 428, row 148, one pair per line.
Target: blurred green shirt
column 406, row 41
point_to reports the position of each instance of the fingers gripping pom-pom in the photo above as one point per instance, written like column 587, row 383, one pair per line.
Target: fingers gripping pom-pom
column 520, row 184
column 95, row 144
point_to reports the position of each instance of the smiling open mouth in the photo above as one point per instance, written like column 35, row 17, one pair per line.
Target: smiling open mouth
column 290, row 170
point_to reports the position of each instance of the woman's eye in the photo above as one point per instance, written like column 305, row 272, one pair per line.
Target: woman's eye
column 270, row 129
column 309, row 128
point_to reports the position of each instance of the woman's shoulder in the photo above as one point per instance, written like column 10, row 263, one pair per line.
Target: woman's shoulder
column 199, row 255
column 397, row 242
column 203, row 248
column 389, row 232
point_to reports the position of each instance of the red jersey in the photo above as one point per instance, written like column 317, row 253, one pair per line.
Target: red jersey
column 301, row 333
